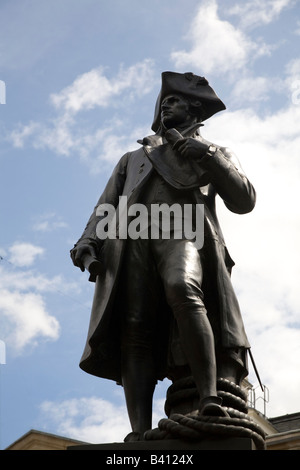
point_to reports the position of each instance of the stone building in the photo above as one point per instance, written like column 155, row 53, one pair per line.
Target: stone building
column 283, row 433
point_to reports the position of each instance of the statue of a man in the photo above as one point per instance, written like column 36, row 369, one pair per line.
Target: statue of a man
column 165, row 305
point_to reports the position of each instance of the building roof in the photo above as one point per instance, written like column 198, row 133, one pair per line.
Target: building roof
column 287, row 422
column 38, row 440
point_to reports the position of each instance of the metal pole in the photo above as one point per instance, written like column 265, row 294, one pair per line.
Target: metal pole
column 255, row 369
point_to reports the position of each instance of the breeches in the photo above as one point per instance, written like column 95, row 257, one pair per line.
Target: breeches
column 153, row 269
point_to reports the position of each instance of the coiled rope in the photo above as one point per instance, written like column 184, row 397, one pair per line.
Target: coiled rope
column 194, row 427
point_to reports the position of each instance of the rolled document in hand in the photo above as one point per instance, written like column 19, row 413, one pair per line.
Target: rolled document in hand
column 92, row 265
column 172, row 136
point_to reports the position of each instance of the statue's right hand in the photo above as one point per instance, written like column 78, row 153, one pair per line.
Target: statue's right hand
column 79, row 252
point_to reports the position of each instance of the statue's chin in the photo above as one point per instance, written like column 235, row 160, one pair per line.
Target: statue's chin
column 168, row 124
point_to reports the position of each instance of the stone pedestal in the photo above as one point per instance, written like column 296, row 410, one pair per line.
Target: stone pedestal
column 170, row 446
column 184, row 434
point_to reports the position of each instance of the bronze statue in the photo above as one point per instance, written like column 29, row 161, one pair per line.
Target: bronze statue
column 165, row 306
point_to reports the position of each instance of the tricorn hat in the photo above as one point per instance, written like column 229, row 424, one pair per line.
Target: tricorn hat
column 189, row 85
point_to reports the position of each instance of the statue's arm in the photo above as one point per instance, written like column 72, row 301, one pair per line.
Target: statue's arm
column 230, row 181
column 225, row 173
column 89, row 244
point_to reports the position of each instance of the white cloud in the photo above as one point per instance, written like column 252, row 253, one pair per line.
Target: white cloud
column 65, row 135
column 57, row 136
column 113, row 146
column 24, row 316
column 24, row 280
column 48, row 223
column 92, row 419
column 93, row 89
column 259, row 12
column 255, row 89
column 87, row 91
column 292, row 70
column 25, row 320
column 216, row 45
column 19, row 135
column 24, row 254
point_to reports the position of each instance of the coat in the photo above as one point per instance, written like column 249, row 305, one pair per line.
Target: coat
column 101, row 356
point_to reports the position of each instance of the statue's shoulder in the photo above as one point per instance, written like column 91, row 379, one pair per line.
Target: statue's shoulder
column 136, row 154
column 229, row 154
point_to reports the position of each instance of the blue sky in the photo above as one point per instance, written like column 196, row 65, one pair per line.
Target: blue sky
column 82, row 77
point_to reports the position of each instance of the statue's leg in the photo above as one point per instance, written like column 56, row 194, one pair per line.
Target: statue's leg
column 139, row 374
column 138, row 380
column 180, row 267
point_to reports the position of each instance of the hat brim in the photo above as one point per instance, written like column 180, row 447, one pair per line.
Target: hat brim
column 189, row 85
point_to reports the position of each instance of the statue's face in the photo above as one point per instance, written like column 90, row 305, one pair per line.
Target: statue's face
column 174, row 111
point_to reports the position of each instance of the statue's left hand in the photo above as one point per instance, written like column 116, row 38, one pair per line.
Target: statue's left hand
column 79, row 251
column 191, row 148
